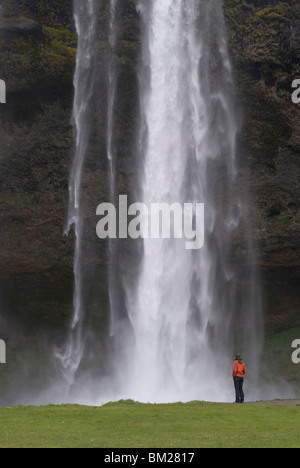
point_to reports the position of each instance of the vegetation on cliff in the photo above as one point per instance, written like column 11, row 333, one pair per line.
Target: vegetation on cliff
column 37, row 55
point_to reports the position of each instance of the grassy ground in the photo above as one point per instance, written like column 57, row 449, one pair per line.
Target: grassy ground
column 134, row 425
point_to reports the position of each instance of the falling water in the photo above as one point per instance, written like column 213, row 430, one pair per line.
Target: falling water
column 111, row 150
column 85, row 20
column 112, row 83
column 188, row 309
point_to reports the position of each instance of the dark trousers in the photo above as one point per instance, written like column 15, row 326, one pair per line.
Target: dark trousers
column 239, row 392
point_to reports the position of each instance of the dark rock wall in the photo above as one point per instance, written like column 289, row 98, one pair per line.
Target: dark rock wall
column 265, row 46
column 37, row 58
column 263, row 37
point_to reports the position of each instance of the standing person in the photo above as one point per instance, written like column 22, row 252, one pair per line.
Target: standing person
column 238, row 373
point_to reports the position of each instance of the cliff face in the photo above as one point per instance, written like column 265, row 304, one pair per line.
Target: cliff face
column 264, row 42
column 263, row 37
column 37, row 60
column 37, row 56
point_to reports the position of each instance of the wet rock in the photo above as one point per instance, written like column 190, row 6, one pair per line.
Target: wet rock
column 10, row 28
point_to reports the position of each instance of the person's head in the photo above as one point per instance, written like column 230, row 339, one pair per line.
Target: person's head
column 238, row 357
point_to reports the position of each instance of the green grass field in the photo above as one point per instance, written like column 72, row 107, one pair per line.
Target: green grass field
column 134, row 425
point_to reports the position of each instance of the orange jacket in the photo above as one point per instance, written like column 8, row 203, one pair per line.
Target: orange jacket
column 239, row 369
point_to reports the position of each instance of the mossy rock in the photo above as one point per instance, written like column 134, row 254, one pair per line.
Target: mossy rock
column 28, row 61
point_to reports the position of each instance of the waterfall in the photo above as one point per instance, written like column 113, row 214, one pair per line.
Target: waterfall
column 111, row 150
column 85, row 20
column 188, row 309
column 175, row 328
